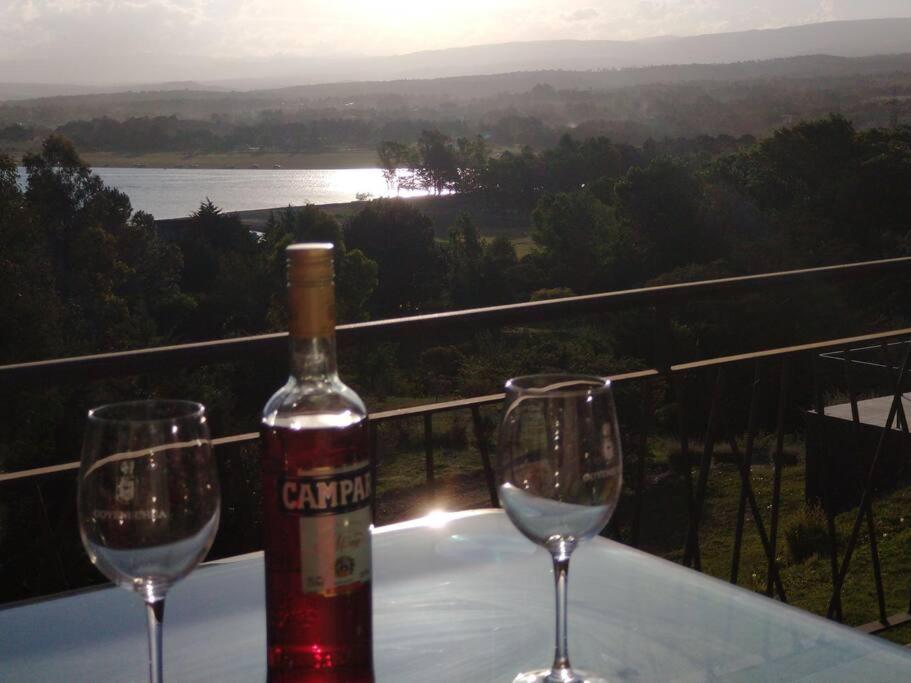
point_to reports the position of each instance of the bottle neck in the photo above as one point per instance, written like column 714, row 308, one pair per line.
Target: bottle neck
column 313, row 359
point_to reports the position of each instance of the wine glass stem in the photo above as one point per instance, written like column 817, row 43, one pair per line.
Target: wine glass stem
column 155, row 614
column 561, row 575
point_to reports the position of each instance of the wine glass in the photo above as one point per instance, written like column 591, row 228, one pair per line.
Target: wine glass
column 149, row 499
column 560, row 474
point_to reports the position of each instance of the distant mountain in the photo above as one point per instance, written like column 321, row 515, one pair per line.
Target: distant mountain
column 29, row 91
column 195, row 101
column 471, row 87
column 22, row 91
column 838, row 39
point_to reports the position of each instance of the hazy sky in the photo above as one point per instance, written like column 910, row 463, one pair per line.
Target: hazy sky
column 160, row 34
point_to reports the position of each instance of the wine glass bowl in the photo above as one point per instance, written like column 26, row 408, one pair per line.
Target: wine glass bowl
column 560, row 470
column 149, row 499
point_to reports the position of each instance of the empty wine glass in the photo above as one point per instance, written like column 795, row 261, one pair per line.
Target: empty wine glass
column 560, row 475
column 149, row 499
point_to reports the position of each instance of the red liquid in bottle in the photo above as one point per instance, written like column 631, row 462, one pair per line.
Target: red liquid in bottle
column 316, row 500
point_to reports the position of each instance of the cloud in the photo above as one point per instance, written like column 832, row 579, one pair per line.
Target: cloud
column 583, row 14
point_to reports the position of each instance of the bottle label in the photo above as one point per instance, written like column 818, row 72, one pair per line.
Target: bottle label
column 334, row 510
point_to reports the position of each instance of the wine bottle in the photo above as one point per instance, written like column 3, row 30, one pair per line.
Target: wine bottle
column 317, row 493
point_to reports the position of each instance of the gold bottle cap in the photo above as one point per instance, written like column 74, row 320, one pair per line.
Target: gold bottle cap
column 310, row 289
column 309, row 263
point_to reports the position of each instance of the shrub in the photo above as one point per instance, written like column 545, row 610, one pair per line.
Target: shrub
column 807, row 535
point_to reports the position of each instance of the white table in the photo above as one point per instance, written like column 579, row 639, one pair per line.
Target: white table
column 461, row 598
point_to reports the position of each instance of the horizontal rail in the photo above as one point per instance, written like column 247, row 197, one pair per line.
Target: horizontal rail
column 875, row 627
column 122, row 363
column 492, row 399
column 378, row 418
column 792, row 350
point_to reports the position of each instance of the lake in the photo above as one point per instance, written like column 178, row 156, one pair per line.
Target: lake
column 177, row 192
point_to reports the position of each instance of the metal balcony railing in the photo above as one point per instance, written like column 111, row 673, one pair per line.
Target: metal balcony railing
column 772, row 372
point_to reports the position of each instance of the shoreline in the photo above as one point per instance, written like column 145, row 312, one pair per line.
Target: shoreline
column 443, row 212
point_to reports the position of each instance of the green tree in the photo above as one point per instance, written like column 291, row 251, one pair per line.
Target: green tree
column 113, row 275
column 394, row 158
column 30, row 310
column 224, row 273
column 572, row 165
column 472, row 155
column 513, row 180
column 660, row 206
column 355, row 274
column 832, row 193
column 575, row 233
column 498, row 271
column 437, row 168
column 399, row 238
column 465, row 252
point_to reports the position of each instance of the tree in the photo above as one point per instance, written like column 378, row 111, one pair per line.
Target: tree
column 572, row 165
column 479, row 272
column 471, row 159
column 833, row 193
column 394, row 158
column 30, row 310
column 660, row 207
column 355, row 274
column 465, row 252
column 437, row 168
column 498, row 270
column 512, row 180
column 573, row 231
column 111, row 271
column 224, row 274
column 399, row 238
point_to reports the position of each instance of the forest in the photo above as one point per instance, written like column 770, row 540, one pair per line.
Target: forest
column 512, row 110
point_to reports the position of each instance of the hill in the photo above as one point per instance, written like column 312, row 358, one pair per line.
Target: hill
column 416, row 98
column 838, row 38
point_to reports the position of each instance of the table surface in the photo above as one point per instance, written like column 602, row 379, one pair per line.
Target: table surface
column 871, row 411
column 461, row 598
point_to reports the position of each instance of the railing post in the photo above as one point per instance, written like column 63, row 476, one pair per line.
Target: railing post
column 858, row 440
column 835, row 607
column 692, row 542
column 480, row 437
column 746, row 488
column 900, row 417
column 679, row 386
column 776, row 474
column 374, row 466
column 51, row 540
column 641, row 460
column 428, row 451
column 746, row 466
column 865, row 507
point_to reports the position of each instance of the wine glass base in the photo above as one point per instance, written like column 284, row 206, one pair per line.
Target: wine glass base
column 568, row 676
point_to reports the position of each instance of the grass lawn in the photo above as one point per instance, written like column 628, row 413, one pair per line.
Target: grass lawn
column 523, row 245
column 807, row 583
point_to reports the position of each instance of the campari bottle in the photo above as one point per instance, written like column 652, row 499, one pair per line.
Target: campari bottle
column 317, row 492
